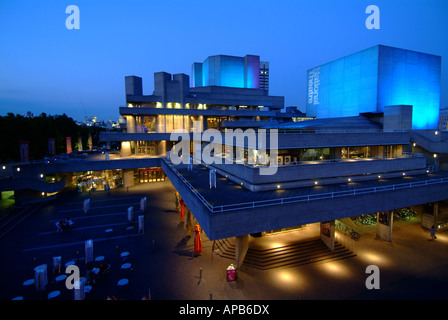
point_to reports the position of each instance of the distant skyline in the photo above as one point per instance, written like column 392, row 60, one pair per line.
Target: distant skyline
column 45, row 67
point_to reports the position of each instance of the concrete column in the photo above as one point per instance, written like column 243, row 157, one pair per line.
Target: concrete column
column 161, row 148
column 130, row 124
column 327, row 233
column 128, row 177
column 384, row 226
column 187, row 123
column 90, row 142
column 169, row 123
column 160, row 126
column 79, row 144
column 138, row 124
column 125, row 149
column 429, row 215
column 241, row 247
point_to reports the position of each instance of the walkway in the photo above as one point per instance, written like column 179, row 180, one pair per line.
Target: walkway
column 412, row 266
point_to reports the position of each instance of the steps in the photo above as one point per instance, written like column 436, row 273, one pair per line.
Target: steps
column 301, row 253
column 12, row 220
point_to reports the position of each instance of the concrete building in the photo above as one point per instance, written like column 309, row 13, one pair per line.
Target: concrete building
column 443, row 120
column 264, row 75
column 227, row 71
column 364, row 152
column 371, row 79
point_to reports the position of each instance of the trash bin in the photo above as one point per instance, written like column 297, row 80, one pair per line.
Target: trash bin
column 141, row 222
column 89, row 250
column 40, row 277
column 57, row 263
column 231, row 273
column 130, row 213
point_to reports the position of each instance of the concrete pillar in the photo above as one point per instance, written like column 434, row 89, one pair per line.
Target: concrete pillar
column 327, row 233
column 90, row 142
column 430, row 214
column 169, row 123
column 384, row 226
column 128, row 177
column 187, row 123
column 161, row 148
column 138, row 125
column 241, row 247
column 160, row 125
column 79, row 143
column 130, row 124
column 125, row 149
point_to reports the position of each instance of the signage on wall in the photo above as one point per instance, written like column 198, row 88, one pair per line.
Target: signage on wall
column 313, row 86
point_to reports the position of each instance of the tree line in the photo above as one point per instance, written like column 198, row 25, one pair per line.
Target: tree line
column 37, row 131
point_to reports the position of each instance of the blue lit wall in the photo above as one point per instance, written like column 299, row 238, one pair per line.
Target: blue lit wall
column 344, row 87
column 227, row 71
column 251, row 71
column 371, row 79
column 410, row 78
column 196, row 75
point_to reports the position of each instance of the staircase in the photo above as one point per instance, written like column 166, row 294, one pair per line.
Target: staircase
column 297, row 254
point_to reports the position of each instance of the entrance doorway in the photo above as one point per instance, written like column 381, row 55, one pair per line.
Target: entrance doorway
column 151, row 175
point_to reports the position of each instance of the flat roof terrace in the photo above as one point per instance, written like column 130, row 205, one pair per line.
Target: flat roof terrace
column 231, row 210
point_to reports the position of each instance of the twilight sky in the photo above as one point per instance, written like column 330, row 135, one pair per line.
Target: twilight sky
column 45, row 67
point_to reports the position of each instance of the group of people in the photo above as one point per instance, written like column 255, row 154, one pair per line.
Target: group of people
column 64, row 224
column 96, row 273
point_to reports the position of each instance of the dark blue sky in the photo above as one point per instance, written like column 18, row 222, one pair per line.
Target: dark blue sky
column 45, row 67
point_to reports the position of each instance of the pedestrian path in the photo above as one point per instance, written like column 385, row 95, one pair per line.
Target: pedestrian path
column 164, row 264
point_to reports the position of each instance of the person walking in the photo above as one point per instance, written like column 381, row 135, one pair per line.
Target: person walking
column 432, row 232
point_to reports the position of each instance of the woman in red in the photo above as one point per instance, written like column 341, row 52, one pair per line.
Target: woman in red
column 197, row 240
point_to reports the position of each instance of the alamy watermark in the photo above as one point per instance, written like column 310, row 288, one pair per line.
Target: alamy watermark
column 373, row 20
column 373, row 280
column 254, row 141
column 73, row 20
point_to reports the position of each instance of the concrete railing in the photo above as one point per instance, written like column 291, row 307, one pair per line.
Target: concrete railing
column 188, row 184
column 328, row 195
column 304, row 198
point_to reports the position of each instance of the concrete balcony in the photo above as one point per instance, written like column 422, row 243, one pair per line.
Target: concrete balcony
column 322, row 172
column 230, row 210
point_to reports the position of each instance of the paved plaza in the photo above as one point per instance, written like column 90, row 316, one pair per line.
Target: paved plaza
column 164, row 266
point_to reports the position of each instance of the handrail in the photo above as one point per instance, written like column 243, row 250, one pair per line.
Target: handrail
column 303, row 198
column 328, row 195
column 188, row 184
column 246, row 163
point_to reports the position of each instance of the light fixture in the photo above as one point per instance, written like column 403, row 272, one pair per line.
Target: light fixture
column 404, row 173
column 435, row 155
column 4, row 167
column 41, row 175
column 315, row 182
column 18, row 169
column 379, row 177
column 436, row 132
column 278, row 186
column 349, row 179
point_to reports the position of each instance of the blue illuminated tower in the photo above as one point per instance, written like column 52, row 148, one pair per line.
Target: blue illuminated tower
column 227, row 71
column 371, row 79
